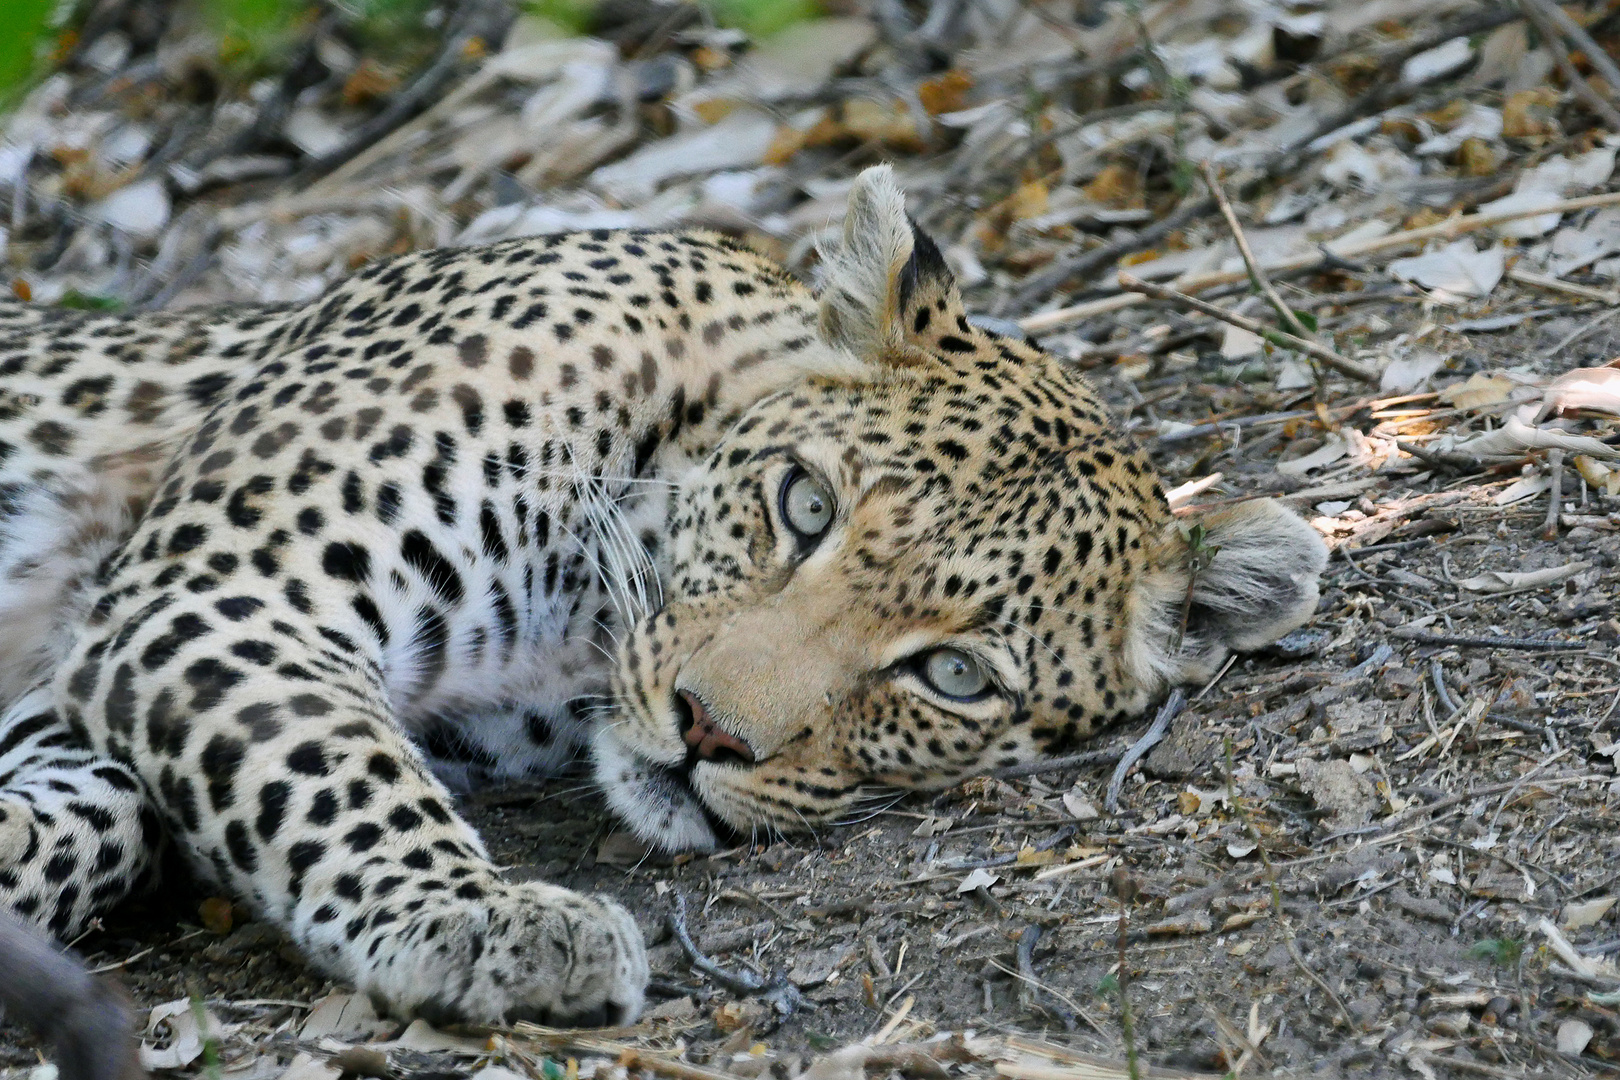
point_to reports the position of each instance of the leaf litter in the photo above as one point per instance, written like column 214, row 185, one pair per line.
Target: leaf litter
column 1407, row 328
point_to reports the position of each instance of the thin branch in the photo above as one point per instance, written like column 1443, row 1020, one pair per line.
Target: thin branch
column 1342, row 364
column 1257, row 273
column 1540, row 12
column 1450, row 229
column 1555, row 493
column 1150, row 738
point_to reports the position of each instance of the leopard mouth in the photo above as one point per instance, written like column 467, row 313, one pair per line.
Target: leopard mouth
column 657, row 800
column 679, row 777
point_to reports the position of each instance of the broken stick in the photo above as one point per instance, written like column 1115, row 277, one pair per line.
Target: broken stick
column 1339, row 363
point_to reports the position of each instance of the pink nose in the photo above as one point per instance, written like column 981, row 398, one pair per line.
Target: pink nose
column 708, row 738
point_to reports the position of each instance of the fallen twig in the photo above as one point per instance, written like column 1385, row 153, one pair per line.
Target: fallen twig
column 1449, row 229
column 484, row 24
column 1555, row 493
column 777, row 992
column 1096, row 259
column 1451, row 463
column 1555, row 26
column 1216, row 427
column 1031, row 985
column 1257, row 273
column 1334, row 360
column 1150, row 738
column 1423, row 637
column 1547, row 281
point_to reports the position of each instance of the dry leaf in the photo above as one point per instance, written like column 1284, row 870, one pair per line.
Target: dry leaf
column 978, row 879
column 176, row 1032
column 946, row 92
column 343, row 1015
column 1515, row 437
column 215, row 914
column 1573, row 1037
column 1593, row 389
column 1458, row 269
column 1497, row 581
column 1079, row 807
column 1587, row 913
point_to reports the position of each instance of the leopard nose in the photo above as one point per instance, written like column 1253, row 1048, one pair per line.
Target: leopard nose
column 710, row 740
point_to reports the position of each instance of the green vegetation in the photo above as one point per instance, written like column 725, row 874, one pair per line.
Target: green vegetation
column 763, row 18
column 29, row 31
column 79, row 301
column 256, row 35
column 1502, row 951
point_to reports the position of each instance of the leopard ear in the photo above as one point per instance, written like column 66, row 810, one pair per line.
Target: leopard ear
column 883, row 274
column 1254, row 569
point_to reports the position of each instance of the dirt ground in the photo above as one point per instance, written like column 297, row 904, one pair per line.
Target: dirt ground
column 1415, row 850
column 1382, row 848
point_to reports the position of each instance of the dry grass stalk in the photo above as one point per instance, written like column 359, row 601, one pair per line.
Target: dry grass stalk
column 1449, row 229
column 1257, row 273
column 1555, row 26
column 1342, row 364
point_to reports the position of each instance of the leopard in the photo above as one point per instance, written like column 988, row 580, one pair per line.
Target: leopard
column 282, row 582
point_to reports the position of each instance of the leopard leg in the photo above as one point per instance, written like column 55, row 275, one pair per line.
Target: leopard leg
column 267, row 733
column 77, row 833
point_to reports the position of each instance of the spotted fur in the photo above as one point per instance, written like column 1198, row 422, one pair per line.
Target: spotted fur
column 273, row 575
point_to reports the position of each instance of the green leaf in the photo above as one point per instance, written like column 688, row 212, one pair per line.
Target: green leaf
column 1503, row 951
column 762, row 18
column 78, row 301
column 1108, row 985
column 27, row 32
column 1307, row 320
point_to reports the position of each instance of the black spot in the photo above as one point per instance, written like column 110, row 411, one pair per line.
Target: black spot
column 363, row 837
column 210, row 681
column 220, row 761
column 420, row 553
column 237, row 608
column 187, row 537
column 347, row 560
column 307, row 759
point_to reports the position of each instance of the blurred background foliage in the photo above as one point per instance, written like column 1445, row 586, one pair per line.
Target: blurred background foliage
column 258, row 35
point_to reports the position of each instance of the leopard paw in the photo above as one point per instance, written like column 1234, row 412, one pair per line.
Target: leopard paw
column 518, row 952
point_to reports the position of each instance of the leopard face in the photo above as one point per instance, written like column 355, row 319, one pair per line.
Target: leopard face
column 897, row 580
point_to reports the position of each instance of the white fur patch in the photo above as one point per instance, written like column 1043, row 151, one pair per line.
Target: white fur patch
column 656, row 807
column 51, row 548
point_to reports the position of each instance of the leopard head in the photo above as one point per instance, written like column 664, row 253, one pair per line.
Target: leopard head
column 949, row 563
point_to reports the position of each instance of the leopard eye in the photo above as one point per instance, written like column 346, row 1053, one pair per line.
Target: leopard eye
column 955, row 673
column 806, row 505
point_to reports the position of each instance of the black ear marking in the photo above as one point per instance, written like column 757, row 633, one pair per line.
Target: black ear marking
column 926, row 266
column 1003, row 328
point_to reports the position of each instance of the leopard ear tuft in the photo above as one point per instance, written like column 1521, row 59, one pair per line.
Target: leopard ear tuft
column 1254, row 569
column 883, row 268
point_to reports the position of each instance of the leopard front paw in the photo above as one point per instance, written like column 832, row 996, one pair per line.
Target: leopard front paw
column 520, row 952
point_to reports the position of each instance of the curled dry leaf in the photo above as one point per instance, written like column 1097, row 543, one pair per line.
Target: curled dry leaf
column 1592, row 389
column 1498, row 581
column 1515, row 438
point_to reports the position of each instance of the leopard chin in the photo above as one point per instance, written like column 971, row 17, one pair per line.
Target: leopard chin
column 656, row 800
